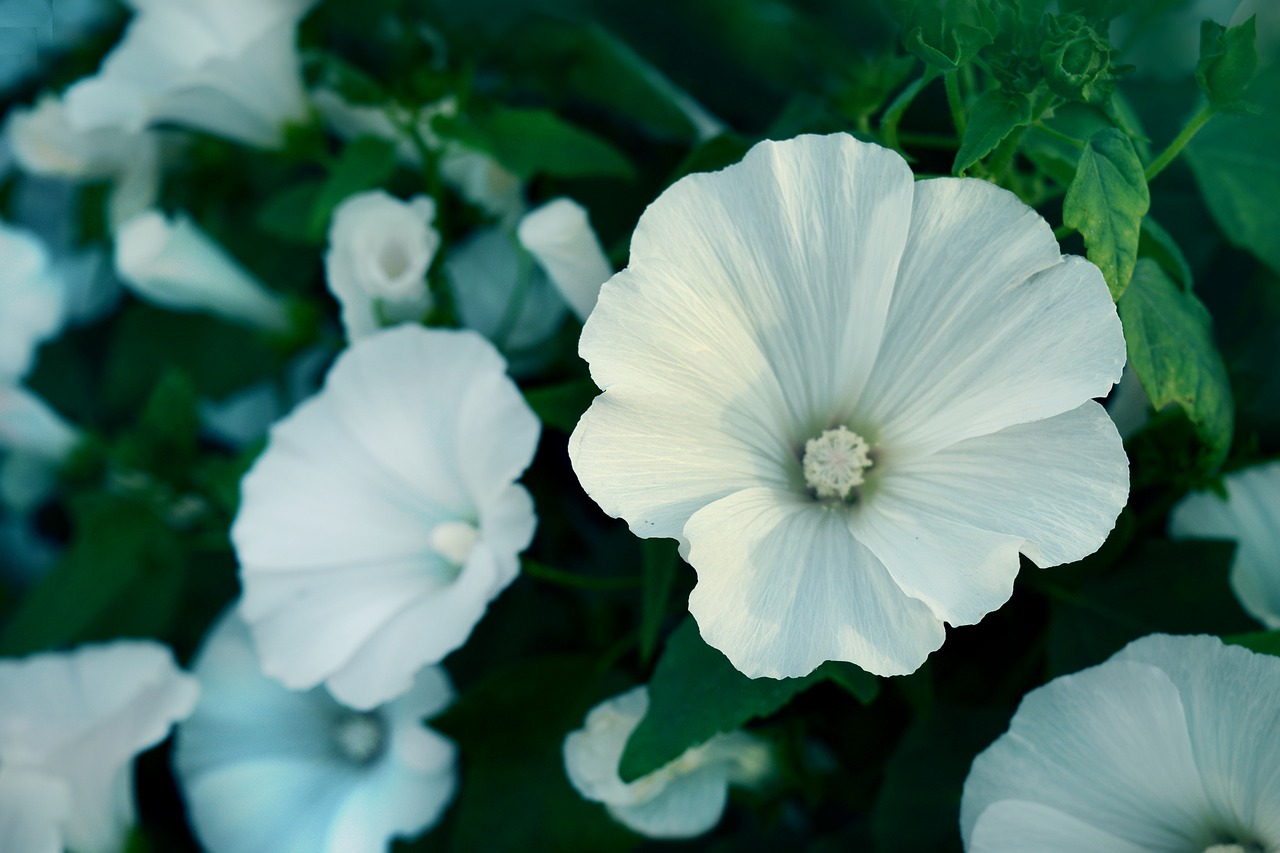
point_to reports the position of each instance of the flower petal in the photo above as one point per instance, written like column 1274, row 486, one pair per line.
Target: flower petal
column 33, row 807
column 1010, row 826
column 1108, row 746
column 783, row 586
column 989, row 326
column 688, row 806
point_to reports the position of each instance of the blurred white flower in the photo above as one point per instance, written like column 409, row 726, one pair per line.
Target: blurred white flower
column 559, row 235
column 170, row 262
column 380, row 249
column 32, row 301
column 681, row 799
column 263, row 768
column 35, row 441
column 227, row 67
column 70, row 726
column 45, row 143
column 1250, row 515
column 854, row 398
column 384, row 514
column 1168, row 747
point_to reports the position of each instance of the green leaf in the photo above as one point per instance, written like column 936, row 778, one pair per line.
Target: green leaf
column 1171, row 587
column 561, row 406
column 1159, row 245
column 1235, row 164
column 510, row 727
column 365, row 164
column 287, row 214
column 945, row 33
column 1263, row 642
column 695, row 694
column 538, row 142
column 1228, row 59
column 1170, row 341
column 1106, row 202
column 993, row 116
column 661, row 558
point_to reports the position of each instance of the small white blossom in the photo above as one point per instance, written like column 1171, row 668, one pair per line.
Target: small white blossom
column 70, row 726
column 227, row 67
column 682, row 799
column 854, row 398
column 380, row 249
column 172, row 263
column 32, row 301
column 264, row 768
column 559, row 235
column 384, row 514
column 1250, row 515
column 1168, row 747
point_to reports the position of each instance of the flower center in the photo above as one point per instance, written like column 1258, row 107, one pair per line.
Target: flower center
column 360, row 737
column 454, row 540
column 834, row 462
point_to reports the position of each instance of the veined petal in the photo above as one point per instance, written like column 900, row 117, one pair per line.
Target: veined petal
column 989, row 326
column 1017, row 825
column 783, row 585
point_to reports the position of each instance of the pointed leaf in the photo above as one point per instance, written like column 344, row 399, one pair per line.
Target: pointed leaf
column 1106, row 202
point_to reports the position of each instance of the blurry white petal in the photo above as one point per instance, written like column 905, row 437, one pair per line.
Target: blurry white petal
column 28, row 424
column 559, row 235
column 32, row 301
column 33, row 807
column 172, row 263
column 1018, row 825
column 483, row 181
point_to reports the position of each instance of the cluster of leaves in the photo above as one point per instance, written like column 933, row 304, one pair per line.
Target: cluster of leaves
column 1167, row 185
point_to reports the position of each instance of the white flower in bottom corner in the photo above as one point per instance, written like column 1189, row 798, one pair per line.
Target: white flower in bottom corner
column 854, row 398
column 1251, row 516
column 1171, row 746
column 384, row 516
column 679, row 800
column 70, row 726
column 379, row 251
column 264, row 769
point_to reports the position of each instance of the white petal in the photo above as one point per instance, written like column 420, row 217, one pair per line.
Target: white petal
column 949, row 525
column 174, row 264
column 592, row 753
column 33, row 807
column 783, row 585
column 1250, row 516
column 988, row 327
column 28, row 424
column 1232, row 701
column 559, row 235
column 31, row 301
column 1017, row 826
column 45, row 143
column 689, row 806
column 1108, row 746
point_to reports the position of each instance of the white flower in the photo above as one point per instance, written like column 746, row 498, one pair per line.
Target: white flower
column 1168, row 747
column 172, row 263
column 227, row 67
column 70, row 726
column 32, row 301
column 483, row 181
column 263, row 768
column 384, row 515
column 678, row 800
column 1251, row 516
column 559, row 235
column 813, row 287
column 35, row 442
column 45, row 143
column 379, row 251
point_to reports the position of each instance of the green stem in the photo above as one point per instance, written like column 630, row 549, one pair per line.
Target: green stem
column 955, row 101
column 575, row 581
column 1180, row 141
column 893, row 115
column 1058, row 135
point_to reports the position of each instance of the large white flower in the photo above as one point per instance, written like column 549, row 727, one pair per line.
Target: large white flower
column 265, row 769
column 854, row 399
column 1251, row 516
column 70, row 726
column 678, row 800
column 1169, row 747
column 170, row 262
column 384, row 515
column 227, row 67
column 32, row 301
column 379, row 251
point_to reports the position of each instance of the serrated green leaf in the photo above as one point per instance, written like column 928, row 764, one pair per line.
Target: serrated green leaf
column 1263, row 642
column 994, row 116
column 1170, row 341
column 695, row 694
column 1106, row 202
column 1235, row 164
column 561, row 406
column 539, row 142
column 1228, row 60
column 661, row 559
column 365, row 164
column 1159, row 245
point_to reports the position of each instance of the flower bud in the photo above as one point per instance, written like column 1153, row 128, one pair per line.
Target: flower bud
column 1076, row 60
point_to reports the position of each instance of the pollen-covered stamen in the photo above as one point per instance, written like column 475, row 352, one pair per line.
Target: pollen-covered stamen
column 834, row 462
